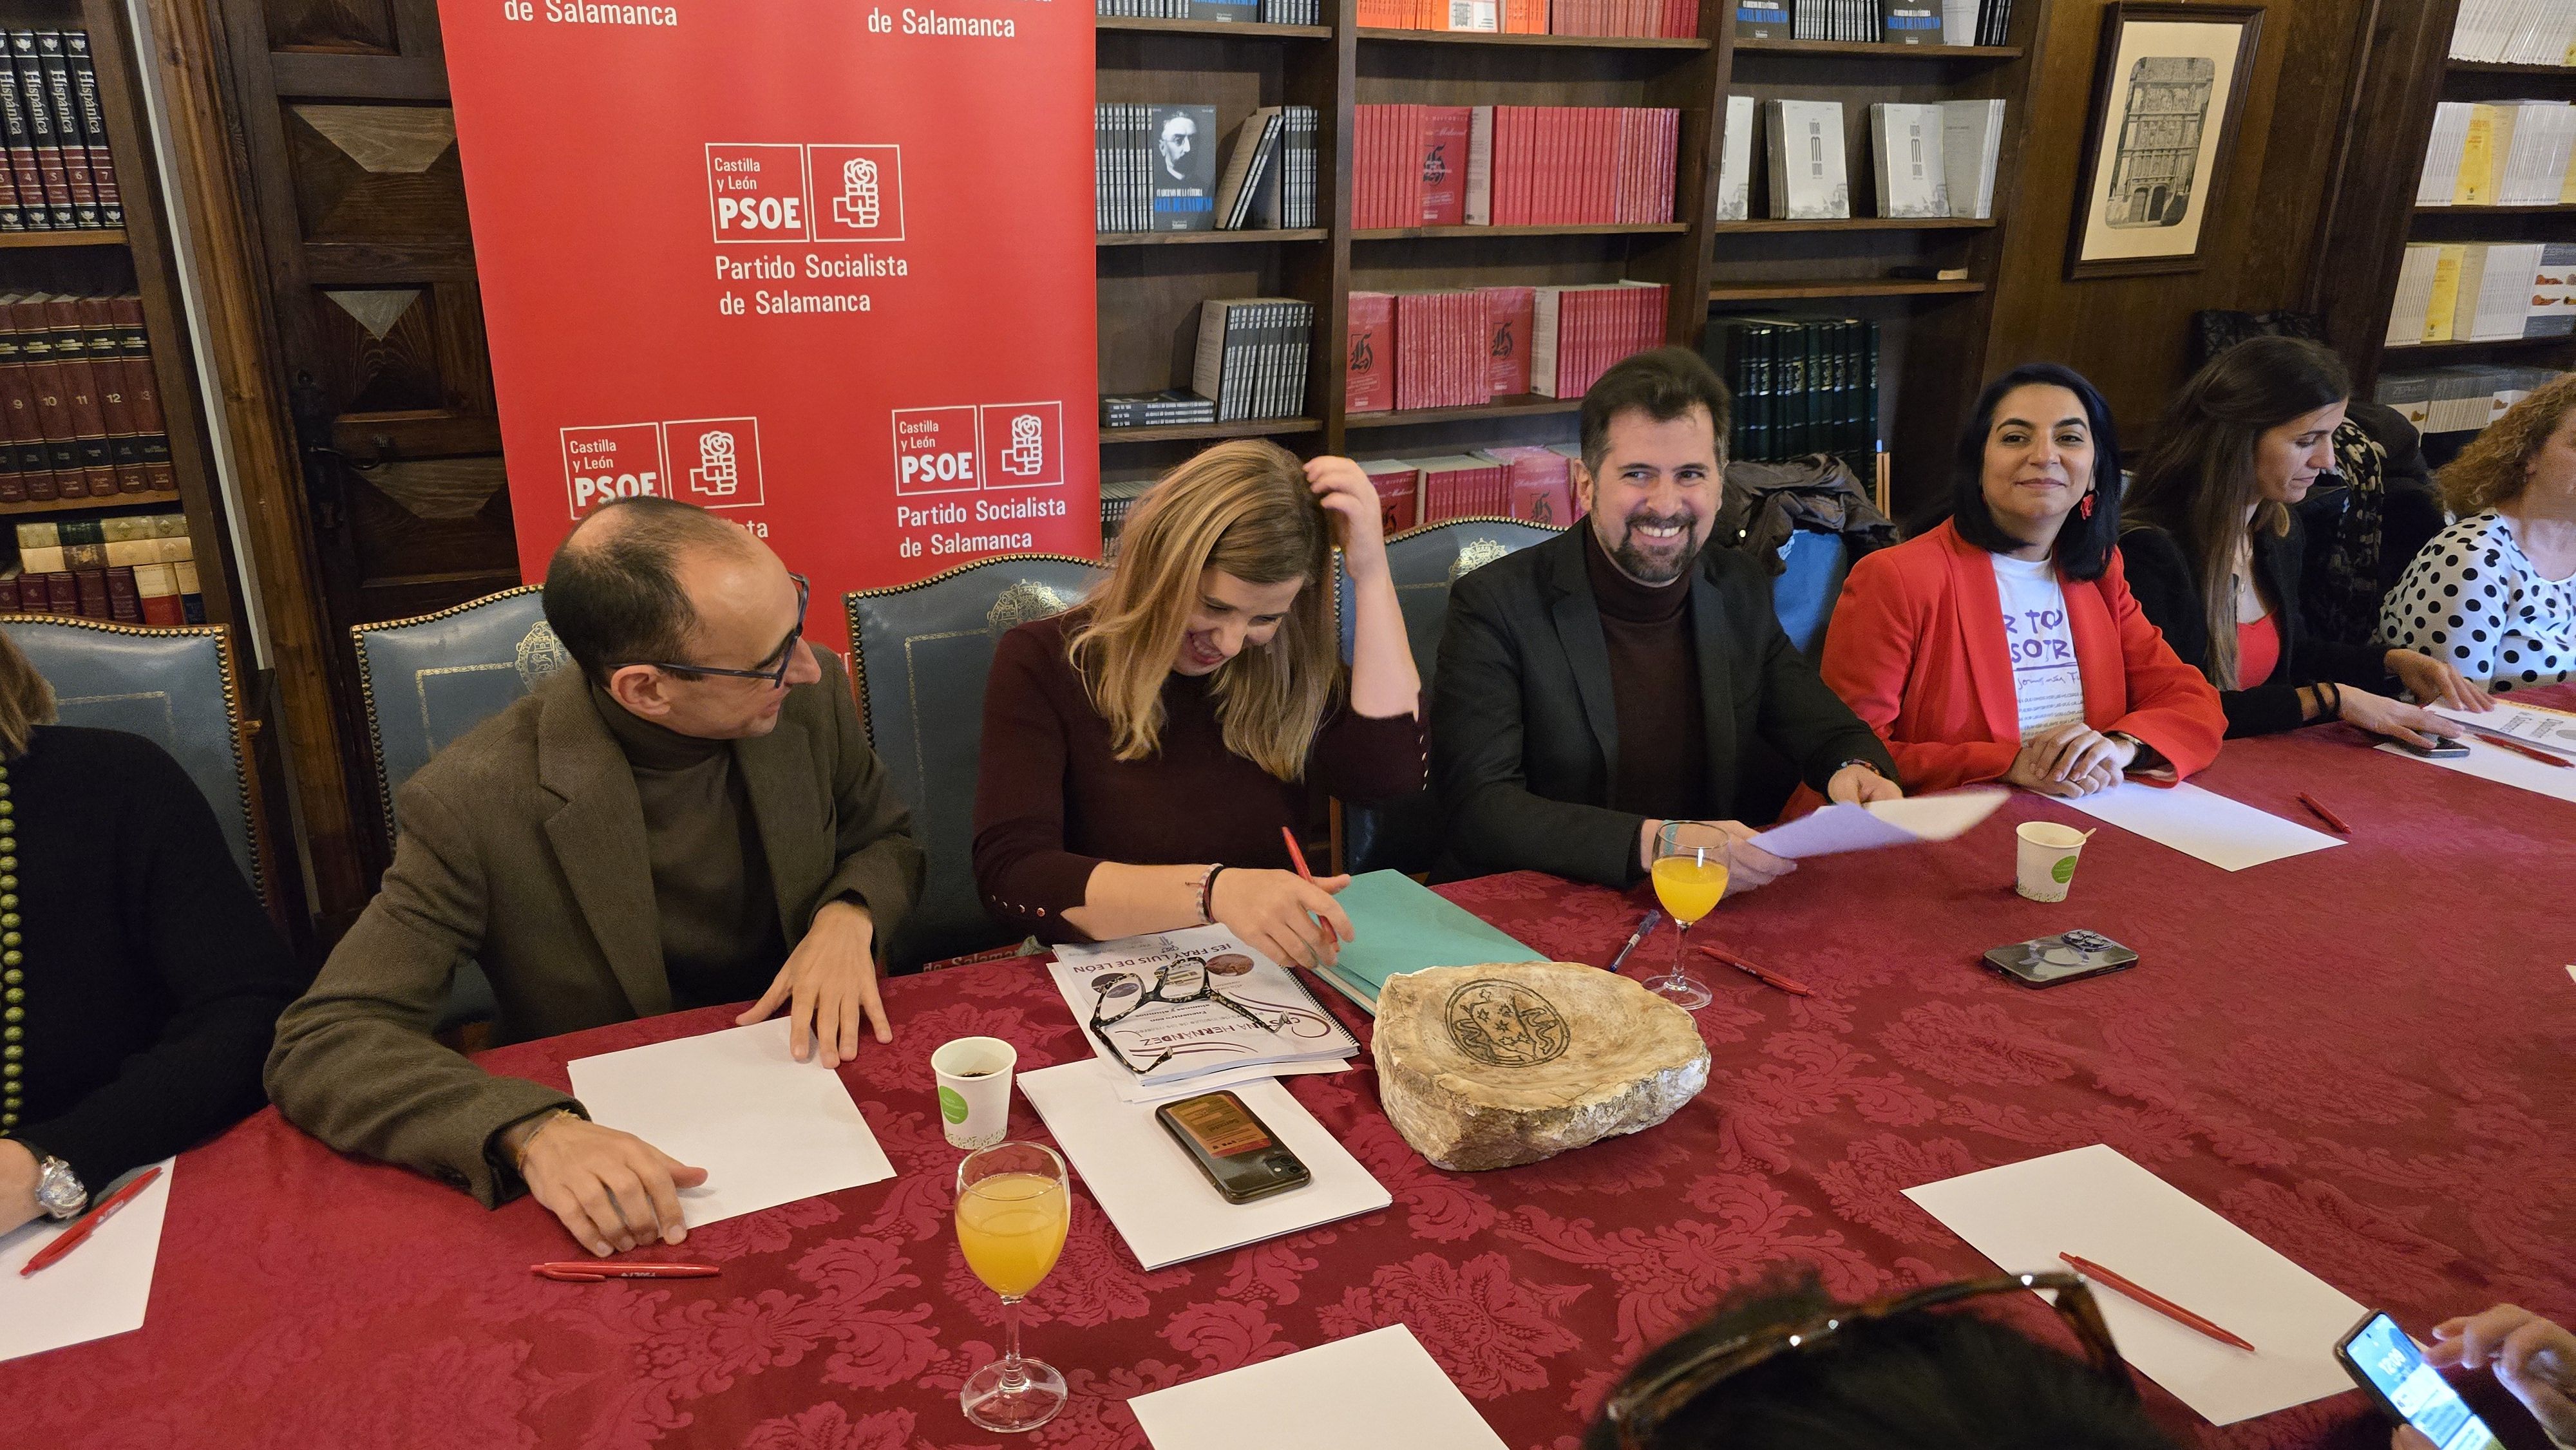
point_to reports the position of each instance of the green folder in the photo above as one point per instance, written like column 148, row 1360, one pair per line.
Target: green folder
column 1403, row 926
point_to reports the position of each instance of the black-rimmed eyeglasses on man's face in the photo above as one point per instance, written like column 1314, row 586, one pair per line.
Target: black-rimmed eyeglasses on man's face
column 775, row 674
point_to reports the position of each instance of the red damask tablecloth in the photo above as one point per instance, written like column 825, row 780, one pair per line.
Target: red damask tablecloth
column 2360, row 1055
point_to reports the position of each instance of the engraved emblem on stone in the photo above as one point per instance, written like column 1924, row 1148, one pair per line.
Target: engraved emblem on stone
column 1504, row 1024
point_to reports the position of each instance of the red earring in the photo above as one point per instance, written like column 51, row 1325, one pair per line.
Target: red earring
column 2085, row 509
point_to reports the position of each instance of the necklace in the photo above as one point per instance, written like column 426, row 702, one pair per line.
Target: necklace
column 13, row 975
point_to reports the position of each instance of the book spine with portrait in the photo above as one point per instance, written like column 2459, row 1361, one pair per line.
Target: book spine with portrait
column 1369, row 364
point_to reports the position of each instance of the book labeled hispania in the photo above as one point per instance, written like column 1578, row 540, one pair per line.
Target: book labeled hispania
column 1183, row 167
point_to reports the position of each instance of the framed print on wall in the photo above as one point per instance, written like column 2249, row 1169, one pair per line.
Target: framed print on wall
column 2166, row 94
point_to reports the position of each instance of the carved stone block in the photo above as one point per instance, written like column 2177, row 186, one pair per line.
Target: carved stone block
column 1499, row 1065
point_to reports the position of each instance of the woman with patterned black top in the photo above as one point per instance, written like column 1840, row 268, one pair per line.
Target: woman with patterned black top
column 141, row 979
column 2495, row 593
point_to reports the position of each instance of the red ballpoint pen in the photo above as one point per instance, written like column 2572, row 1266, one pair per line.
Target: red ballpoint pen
column 596, row 1271
column 1765, row 977
column 79, row 1233
column 1294, row 854
column 2333, row 821
column 2503, row 741
column 2155, row 1301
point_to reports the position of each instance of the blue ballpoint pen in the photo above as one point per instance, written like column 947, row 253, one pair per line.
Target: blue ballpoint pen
column 1653, row 915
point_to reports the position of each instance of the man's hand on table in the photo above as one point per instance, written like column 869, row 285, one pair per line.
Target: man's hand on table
column 17, row 1185
column 830, row 984
column 613, row 1190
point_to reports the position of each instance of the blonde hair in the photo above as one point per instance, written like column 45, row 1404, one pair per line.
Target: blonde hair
column 2495, row 468
column 1244, row 508
column 26, row 700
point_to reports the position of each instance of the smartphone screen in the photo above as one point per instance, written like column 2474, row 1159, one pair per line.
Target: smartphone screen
column 1232, row 1147
column 2441, row 749
column 2388, row 1362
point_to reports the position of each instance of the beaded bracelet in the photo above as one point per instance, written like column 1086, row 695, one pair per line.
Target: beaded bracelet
column 1207, row 895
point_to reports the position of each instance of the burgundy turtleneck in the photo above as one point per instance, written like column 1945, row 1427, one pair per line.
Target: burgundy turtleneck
column 1662, row 769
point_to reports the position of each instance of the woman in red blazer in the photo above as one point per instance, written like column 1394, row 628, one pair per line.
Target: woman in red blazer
column 2004, row 644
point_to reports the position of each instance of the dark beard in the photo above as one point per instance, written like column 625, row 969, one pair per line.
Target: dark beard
column 1637, row 567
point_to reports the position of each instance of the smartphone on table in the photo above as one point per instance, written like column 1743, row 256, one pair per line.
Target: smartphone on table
column 1236, row 1150
column 2392, row 1371
column 2052, row 961
column 2442, row 748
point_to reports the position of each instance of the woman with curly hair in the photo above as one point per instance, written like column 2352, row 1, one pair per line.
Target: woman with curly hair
column 2495, row 593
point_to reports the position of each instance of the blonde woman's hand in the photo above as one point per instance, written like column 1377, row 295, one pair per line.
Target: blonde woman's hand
column 1282, row 915
column 1346, row 493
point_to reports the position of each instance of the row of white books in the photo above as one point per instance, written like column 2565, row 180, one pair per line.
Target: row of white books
column 2477, row 291
column 2499, row 153
column 2458, row 399
column 2516, row 32
column 1934, row 160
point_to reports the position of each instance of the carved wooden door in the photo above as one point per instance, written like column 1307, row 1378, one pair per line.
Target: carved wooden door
column 362, row 211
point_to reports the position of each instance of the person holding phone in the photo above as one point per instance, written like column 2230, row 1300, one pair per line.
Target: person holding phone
column 2215, row 549
column 1142, row 751
column 2533, row 1357
column 2004, row 644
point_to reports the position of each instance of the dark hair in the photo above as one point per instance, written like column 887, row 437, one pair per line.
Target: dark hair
column 2083, row 548
column 1663, row 383
column 1935, row 1380
column 2197, row 482
column 613, row 592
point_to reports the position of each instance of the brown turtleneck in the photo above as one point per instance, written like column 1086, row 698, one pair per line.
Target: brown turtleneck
column 1662, row 769
column 721, row 939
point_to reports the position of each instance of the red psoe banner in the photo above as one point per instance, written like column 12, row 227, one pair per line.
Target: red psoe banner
column 824, row 266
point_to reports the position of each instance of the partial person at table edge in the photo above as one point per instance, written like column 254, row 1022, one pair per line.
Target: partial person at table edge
column 2004, row 644
column 1143, row 750
column 690, row 816
column 2495, row 593
column 2211, row 534
column 1620, row 675
column 1782, row 1366
column 140, row 976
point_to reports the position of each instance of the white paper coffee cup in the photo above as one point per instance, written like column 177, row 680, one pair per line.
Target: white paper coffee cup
column 2046, row 862
column 974, row 1076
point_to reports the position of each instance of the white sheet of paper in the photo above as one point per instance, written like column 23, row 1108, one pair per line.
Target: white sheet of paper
column 2096, row 1204
column 98, row 1289
column 1850, row 827
column 2551, row 730
column 767, row 1128
column 1376, row 1391
column 2228, row 834
column 2495, row 763
column 1156, row 1197
column 1132, row 1090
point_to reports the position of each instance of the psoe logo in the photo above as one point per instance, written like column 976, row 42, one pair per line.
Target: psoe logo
column 1023, row 445
column 858, row 193
column 935, row 451
column 715, row 462
column 758, row 194
column 617, row 460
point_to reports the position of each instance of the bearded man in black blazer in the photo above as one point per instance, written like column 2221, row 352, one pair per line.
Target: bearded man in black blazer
column 1624, row 674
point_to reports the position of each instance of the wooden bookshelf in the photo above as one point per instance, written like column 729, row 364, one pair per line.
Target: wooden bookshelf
column 2411, row 73
column 92, row 237
column 112, row 503
column 1150, row 287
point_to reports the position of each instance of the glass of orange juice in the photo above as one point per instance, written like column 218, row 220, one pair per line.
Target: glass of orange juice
column 1689, row 879
column 1013, row 1210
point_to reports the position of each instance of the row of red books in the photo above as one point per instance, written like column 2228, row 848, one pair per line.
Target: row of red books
column 1532, row 484
column 83, row 412
column 1667, row 19
column 1416, row 165
column 1459, row 349
column 156, row 594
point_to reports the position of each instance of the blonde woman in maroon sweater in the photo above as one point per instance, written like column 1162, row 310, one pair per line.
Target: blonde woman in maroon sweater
column 1142, row 751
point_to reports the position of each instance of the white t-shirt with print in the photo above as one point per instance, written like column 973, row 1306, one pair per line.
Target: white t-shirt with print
column 2047, row 685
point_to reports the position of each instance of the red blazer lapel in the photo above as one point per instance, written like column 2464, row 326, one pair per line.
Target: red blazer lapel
column 1981, row 630
column 2097, row 652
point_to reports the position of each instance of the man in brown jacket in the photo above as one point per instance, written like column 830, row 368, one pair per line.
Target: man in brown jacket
column 658, row 829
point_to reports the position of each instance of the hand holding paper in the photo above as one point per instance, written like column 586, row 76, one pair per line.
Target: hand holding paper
column 1866, row 827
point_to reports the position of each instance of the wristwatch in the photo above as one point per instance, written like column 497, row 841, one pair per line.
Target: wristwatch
column 59, row 1191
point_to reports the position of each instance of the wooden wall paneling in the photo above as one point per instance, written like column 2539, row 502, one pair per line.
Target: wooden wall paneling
column 2130, row 335
column 191, row 64
column 2353, row 269
column 1324, row 76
